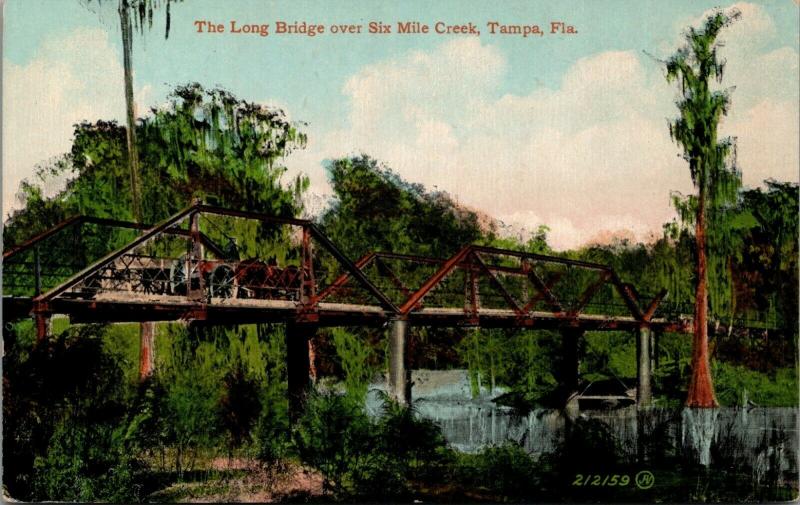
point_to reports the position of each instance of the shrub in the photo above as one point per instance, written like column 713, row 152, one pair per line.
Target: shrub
column 415, row 445
column 363, row 457
column 85, row 463
column 239, row 407
column 503, row 471
column 272, row 434
column 776, row 389
column 63, row 402
column 335, row 436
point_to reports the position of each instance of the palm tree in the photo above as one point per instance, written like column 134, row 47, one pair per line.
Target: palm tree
column 717, row 182
column 137, row 14
column 130, row 107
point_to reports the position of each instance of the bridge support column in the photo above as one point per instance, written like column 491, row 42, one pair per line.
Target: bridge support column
column 570, row 368
column 298, row 365
column 147, row 349
column 655, row 336
column 644, row 371
column 399, row 377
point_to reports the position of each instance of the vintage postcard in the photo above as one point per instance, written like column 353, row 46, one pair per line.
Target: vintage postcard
column 370, row 251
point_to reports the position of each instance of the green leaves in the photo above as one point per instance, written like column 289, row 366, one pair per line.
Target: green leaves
column 363, row 457
column 700, row 108
column 209, row 144
column 374, row 209
column 355, row 357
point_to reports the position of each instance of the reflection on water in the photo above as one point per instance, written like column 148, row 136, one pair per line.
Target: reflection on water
column 762, row 440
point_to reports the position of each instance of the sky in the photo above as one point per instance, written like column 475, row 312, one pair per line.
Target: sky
column 569, row 131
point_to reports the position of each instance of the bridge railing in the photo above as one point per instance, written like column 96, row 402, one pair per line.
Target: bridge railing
column 50, row 258
column 206, row 253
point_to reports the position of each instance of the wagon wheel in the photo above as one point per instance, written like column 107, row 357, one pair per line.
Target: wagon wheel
column 153, row 281
column 260, row 279
column 221, row 282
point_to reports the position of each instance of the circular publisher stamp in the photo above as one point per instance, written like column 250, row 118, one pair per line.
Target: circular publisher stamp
column 645, row 479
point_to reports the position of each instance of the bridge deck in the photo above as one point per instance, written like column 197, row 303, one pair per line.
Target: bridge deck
column 198, row 279
column 117, row 307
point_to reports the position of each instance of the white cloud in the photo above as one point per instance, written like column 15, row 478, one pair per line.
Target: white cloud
column 71, row 79
column 575, row 158
column 591, row 159
column 768, row 141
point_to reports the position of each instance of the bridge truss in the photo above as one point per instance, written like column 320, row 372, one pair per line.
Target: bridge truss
column 223, row 266
column 246, row 267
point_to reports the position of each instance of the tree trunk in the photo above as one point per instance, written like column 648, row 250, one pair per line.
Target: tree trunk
column 133, row 153
column 701, row 389
column 146, row 348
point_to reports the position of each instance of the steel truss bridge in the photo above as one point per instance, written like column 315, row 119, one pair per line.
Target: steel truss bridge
column 222, row 266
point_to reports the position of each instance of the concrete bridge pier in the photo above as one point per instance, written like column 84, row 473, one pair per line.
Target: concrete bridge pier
column 399, row 386
column 298, row 365
column 644, row 366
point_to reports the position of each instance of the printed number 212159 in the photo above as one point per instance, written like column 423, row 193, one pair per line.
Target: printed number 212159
column 601, row 480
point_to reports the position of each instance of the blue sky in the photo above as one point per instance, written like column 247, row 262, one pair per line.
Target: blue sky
column 568, row 131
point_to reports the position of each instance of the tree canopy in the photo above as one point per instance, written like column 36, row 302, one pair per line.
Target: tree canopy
column 202, row 143
column 376, row 210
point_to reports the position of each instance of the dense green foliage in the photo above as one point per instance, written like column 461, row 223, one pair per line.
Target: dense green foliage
column 364, row 457
column 502, row 471
column 63, row 411
column 376, row 210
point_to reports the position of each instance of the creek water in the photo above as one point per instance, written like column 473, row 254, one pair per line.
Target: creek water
column 764, row 440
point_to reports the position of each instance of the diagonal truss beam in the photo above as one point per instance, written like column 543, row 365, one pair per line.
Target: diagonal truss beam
column 589, row 292
column 653, row 306
column 352, row 268
column 627, row 296
column 497, row 284
column 392, row 276
column 435, row 279
column 339, row 282
column 544, row 291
